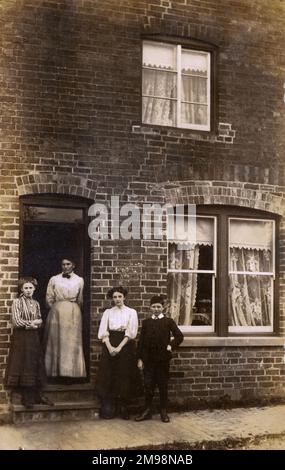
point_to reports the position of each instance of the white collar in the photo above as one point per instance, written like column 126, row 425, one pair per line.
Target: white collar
column 159, row 317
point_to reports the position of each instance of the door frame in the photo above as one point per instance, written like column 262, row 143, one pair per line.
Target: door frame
column 64, row 201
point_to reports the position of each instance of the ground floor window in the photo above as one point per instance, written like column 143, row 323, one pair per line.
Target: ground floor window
column 222, row 279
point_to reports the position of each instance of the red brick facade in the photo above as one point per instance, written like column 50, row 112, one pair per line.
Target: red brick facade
column 70, row 100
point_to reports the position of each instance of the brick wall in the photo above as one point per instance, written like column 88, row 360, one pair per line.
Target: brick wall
column 70, row 124
column 239, row 374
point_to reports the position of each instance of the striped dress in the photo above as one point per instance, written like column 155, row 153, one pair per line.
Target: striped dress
column 25, row 363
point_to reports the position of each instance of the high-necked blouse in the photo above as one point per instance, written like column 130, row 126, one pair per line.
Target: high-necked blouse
column 24, row 311
column 62, row 288
column 119, row 319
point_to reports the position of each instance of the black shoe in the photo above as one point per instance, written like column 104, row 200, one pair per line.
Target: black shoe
column 124, row 413
column 107, row 410
column 45, row 401
column 28, row 403
column 105, row 415
column 164, row 416
column 29, row 406
column 146, row 414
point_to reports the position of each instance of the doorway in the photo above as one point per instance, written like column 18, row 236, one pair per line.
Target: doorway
column 53, row 228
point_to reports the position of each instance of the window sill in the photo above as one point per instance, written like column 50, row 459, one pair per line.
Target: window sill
column 198, row 342
column 224, row 134
column 178, row 132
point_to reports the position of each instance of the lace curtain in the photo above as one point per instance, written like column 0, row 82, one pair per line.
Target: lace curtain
column 250, row 295
column 194, row 89
column 155, row 110
column 182, row 286
column 158, row 83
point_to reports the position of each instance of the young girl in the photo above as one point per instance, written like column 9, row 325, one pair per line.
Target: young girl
column 25, row 370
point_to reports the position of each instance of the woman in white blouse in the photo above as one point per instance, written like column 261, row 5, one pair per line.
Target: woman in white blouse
column 64, row 349
column 117, row 369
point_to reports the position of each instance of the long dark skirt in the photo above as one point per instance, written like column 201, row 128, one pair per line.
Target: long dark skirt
column 25, row 364
column 118, row 376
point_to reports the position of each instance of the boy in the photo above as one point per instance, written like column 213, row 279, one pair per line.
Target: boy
column 154, row 354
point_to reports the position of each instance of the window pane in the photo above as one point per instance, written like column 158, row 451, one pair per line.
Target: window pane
column 250, row 300
column 196, row 230
column 53, row 214
column 206, row 257
column 255, row 234
column 194, row 114
column 243, row 259
column 194, row 89
column 191, row 242
column 194, row 62
column 158, row 55
column 159, row 84
column 159, row 111
column 251, row 245
column 190, row 298
column 194, row 257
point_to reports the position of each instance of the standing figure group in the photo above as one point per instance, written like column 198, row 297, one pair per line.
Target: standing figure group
column 117, row 379
column 28, row 365
column 121, row 365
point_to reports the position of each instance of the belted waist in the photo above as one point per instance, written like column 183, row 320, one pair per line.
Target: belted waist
column 121, row 330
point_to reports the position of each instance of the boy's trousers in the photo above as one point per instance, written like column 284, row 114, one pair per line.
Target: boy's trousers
column 156, row 374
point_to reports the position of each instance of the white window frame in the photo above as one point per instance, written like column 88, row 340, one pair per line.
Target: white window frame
column 255, row 329
column 178, row 72
column 213, row 272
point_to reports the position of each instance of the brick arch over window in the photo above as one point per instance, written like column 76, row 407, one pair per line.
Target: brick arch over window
column 51, row 183
column 238, row 195
column 155, row 25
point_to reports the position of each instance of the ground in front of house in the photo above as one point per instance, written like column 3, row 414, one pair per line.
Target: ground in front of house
column 233, row 428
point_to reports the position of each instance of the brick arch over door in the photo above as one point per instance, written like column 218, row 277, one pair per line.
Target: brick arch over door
column 237, row 195
column 52, row 183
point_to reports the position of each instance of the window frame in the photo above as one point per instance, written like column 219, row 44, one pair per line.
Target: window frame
column 196, row 46
column 212, row 272
column 223, row 214
column 271, row 274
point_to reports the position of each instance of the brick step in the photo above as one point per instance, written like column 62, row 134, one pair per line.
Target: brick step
column 61, row 411
column 58, row 394
column 69, row 395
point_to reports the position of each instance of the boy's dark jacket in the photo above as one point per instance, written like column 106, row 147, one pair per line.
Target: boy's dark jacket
column 155, row 337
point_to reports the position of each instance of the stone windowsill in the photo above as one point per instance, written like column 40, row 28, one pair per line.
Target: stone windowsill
column 214, row 341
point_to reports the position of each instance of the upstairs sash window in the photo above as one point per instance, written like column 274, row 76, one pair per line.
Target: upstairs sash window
column 176, row 84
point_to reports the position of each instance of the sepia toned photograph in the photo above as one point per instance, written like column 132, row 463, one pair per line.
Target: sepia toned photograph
column 142, row 230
